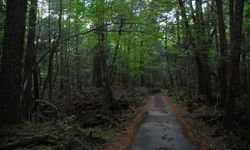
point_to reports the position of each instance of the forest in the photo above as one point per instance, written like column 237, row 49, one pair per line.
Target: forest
column 76, row 74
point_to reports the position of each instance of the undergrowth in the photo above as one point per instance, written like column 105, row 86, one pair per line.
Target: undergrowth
column 209, row 120
column 84, row 122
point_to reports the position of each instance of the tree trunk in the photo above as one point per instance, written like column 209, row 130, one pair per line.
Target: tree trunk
column 62, row 68
column 166, row 53
column 68, row 92
column 51, row 59
column 36, row 71
column 106, row 78
column 78, row 62
column 29, row 62
column 113, row 68
column 235, row 51
column 199, row 44
column 203, row 68
column 97, row 78
column 50, row 75
column 12, row 54
column 244, row 71
column 223, row 52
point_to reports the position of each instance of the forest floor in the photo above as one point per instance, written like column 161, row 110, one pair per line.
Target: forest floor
column 161, row 124
column 205, row 123
column 85, row 121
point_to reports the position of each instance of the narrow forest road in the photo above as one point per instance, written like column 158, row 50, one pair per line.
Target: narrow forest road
column 155, row 127
column 161, row 131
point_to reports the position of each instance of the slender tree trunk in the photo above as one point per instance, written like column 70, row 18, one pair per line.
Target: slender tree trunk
column 102, row 29
column 125, row 75
column 106, row 78
column 62, row 86
column 68, row 54
column 199, row 44
column 12, row 55
column 58, row 47
column 68, row 76
column 36, row 80
column 97, row 78
column 50, row 75
column 244, row 73
column 61, row 51
column 49, row 78
column 223, row 52
column 36, row 71
column 203, row 68
column 112, row 70
column 166, row 53
column 51, row 59
column 78, row 61
column 141, row 68
column 178, row 27
column 29, row 61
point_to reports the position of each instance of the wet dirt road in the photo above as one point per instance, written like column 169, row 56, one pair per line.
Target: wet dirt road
column 161, row 131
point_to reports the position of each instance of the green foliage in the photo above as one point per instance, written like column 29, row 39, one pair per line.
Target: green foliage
column 177, row 51
column 247, row 9
column 213, row 54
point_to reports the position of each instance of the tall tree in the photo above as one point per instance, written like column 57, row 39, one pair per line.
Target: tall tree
column 29, row 60
column 78, row 65
column 223, row 51
column 97, row 78
column 198, row 41
column 236, row 20
column 12, row 55
column 51, row 58
column 203, row 68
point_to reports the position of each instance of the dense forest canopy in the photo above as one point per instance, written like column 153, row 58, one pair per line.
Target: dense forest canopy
column 53, row 48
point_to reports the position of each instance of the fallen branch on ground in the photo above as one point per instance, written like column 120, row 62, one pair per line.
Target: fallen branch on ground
column 40, row 139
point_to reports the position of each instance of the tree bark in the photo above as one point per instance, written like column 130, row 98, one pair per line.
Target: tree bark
column 199, row 44
column 29, row 61
column 97, row 78
column 223, row 52
column 78, row 62
column 244, row 71
column 112, row 69
column 236, row 17
column 36, row 70
column 107, row 82
column 12, row 54
column 51, row 59
column 201, row 56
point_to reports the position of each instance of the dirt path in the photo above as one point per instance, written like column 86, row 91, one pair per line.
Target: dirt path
column 161, row 131
column 159, row 125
